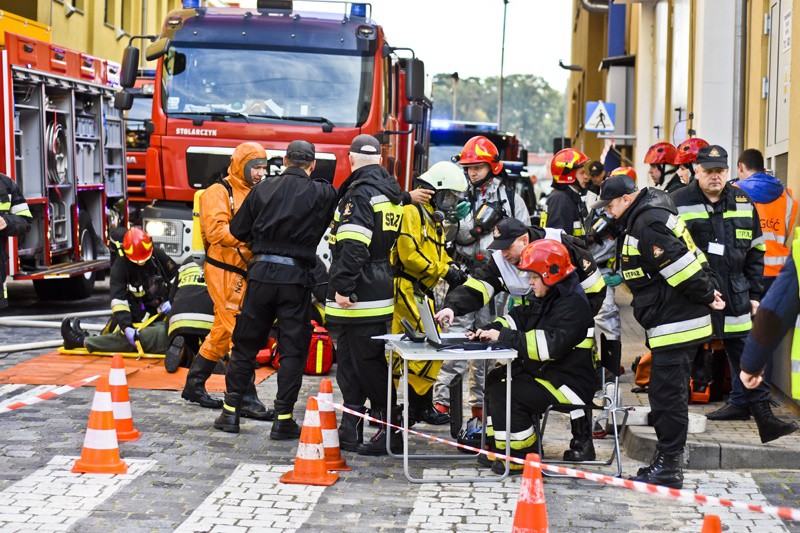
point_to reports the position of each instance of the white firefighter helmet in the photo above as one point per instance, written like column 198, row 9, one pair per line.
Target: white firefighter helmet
column 445, row 175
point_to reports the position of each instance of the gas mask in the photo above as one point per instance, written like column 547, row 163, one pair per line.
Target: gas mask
column 602, row 227
column 444, row 202
column 487, row 217
column 248, row 168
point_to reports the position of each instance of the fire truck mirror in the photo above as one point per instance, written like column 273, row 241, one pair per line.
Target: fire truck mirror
column 415, row 79
column 130, row 64
column 157, row 49
column 412, row 114
column 149, row 127
column 123, row 100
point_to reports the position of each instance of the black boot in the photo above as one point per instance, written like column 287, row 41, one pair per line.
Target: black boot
column 72, row 338
column 729, row 412
column 172, row 359
column 581, row 447
column 770, row 427
column 351, row 430
column 665, row 470
column 228, row 420
column 284, row 427
column 195, row 388
column 377, row 444
column 76, row 325
column 421, row 409
column 252, row 406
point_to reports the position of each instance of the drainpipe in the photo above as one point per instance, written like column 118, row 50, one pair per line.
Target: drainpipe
column 593, row 7
column 739, row 66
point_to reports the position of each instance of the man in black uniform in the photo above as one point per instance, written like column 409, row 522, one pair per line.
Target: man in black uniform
column 565, row 209
column 360, row 299
column 283, row 218
column 15, row 221
column 725, row 225
column 672, row 293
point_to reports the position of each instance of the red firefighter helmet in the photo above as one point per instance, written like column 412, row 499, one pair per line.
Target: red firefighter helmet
column 137, row 245
column 479, row 149
column 687, row 150
column 624, row 171
column 548, row 258
column 660, row 153
column 565, row 163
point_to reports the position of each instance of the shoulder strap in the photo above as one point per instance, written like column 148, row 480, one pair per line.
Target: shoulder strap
column 510, row 198
column 230, row 193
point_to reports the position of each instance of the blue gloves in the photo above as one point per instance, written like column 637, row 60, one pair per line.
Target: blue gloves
column 165, row 307
column 612, row 280
column 462, row 210
column 132, row 335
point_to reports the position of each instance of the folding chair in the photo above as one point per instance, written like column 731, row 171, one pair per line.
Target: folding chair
column 611, row 405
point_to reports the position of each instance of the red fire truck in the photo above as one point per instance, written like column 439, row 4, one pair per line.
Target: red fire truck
column 137, row 140
column 271, row 74
column 62, row 142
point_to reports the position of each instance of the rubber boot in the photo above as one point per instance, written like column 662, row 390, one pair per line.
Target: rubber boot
column 377, row 444
column 228, row 420
column 665, row 470
column 195, row 388
column 730, row 412
column 72, row 338
column 351, row 430
column 284, row 427
column 770, row 427
column 581, row 447
column 252, row 406
column 174, row 355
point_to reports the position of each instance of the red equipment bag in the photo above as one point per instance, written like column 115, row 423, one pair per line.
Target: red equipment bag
column 320, row 353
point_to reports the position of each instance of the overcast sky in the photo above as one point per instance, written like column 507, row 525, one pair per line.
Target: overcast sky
column 464, row 36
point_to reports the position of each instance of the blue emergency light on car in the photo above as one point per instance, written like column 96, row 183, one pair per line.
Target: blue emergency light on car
column 191, row 4
column 358, row 10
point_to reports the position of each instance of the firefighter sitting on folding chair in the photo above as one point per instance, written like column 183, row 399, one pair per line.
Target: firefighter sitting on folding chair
column 554, row 338
column 139, row 285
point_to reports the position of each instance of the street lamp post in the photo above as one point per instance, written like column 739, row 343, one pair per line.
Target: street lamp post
column 502, row 64
column 454, row 76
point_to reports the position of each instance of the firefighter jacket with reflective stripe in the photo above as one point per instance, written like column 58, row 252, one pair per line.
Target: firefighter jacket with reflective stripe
column 136, row 290
column 778, row 313
column 566, row 211
column 554, row 337
column 672, row 182
column 285, row 215
column 777, row 221
column 664, row 271
column 420, row 251
column 192, row 308
column 729, row 234
column 499, row 275
column 17, row 216
column 365, row 227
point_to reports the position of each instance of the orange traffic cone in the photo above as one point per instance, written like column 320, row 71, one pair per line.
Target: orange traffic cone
column 100, row 453
column 330, row 429
column 711, row 524
column 531, row 513
column 121, row 401
column 309, row 466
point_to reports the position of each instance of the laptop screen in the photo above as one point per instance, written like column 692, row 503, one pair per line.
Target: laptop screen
column 428, row 324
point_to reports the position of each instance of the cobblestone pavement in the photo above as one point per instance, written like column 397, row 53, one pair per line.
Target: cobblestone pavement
column 185, row 475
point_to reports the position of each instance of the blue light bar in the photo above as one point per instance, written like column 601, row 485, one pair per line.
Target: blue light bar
column 358, row 10
column 440, row 124
column 191, row 4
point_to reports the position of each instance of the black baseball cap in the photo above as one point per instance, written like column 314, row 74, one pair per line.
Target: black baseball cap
column 712, row 156
column 614, row 187
column 595, row 168
column 300, row 151
column 365, row 144
column 506, row 232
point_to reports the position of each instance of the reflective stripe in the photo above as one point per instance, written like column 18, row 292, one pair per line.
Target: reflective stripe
column 679, row 332
column 352, row 235
column 694, row 208
column 5, row 206
column 187, row 266
column 632, row 241
column 119, row 305
column 795, row 366
column 734, row 324
column 520, row 440
column 594, row 283
column 769, row 236
column 378, row 199
column 369, row 304
column 758, row 242
column 116, row 377
column 100, row 439
column 693, row 215
column 681, row 270
column 175, row 325
column 554, row 234
column 573, row 398
column 536, row 344
column 739, row 212
column 361, row 309
column 772, row 261
column 485, row 290
column 355, row 228
column 629, row 250
column 508, row 322
column 672, row 221
column 122, row 410
column 21, row 210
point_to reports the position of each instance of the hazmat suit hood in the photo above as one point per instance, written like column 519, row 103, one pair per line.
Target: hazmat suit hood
column 245, row 157
column 762, row 187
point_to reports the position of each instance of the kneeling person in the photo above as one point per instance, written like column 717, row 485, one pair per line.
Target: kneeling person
column 554, row 343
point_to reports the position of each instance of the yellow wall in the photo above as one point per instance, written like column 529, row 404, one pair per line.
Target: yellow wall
column 91, row 29
column 794, row 104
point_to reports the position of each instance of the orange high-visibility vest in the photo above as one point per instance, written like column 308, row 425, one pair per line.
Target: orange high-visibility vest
column 777, row 221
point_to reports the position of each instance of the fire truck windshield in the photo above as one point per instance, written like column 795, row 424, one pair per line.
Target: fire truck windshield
column 273, row 84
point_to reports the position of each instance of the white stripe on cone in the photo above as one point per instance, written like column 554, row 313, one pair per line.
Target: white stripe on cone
column 311, row 419
column 310, row 452
column 325, row 397
column 102, row 402
column 116, row 377
column 101, row 439
column 330, row 438
column 122, row 410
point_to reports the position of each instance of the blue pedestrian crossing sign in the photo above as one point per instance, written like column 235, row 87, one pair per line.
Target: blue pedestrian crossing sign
column 601, row 116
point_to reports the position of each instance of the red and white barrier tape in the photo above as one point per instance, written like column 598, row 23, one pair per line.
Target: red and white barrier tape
column 25, row 402
column 673, row 494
